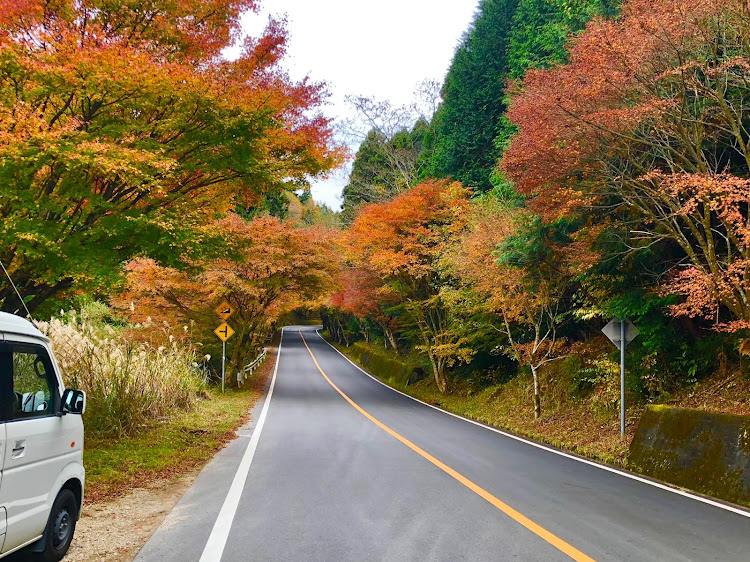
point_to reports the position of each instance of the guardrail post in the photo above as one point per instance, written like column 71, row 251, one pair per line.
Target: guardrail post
column 242, row 374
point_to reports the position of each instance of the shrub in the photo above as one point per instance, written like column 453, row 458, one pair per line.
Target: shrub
column 127, row 383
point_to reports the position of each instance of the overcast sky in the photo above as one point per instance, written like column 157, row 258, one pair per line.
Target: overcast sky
column 378, row 49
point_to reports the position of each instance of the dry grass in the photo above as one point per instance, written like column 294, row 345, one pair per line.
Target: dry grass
column 127, row 383
column 165, row 449
column 724, row 393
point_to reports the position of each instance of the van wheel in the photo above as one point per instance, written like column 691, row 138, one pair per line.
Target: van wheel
column 60, row 527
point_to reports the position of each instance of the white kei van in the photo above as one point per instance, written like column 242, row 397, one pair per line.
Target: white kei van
column 41, row 446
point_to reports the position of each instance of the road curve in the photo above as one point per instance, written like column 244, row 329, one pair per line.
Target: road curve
column 339, row 467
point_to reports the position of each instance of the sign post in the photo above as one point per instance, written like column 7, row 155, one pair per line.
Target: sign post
column 224, row 332
column 621, row 332
column 623, row 345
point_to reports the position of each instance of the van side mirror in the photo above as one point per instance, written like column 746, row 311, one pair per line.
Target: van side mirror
column 73, row 401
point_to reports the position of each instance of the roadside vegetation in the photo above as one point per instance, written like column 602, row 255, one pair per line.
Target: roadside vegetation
column 583, row 160
column 169, row 447
column 152, row 410
column 587, row 161
column 128, row 383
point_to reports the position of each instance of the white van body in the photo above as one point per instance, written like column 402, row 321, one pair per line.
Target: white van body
column 41, row 445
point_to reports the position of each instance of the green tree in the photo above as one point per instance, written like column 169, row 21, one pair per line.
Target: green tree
column 127, row 131
column 389, row 159
column 467, row 123
column 371, row 177
column 541, row 29
column 469, row 131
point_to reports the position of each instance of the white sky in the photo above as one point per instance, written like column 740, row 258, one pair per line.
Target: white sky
column 378, row 49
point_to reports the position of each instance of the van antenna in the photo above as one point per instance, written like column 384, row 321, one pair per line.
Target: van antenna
column 28, row 314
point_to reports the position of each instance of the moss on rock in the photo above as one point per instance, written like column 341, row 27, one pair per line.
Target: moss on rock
column 702, row 451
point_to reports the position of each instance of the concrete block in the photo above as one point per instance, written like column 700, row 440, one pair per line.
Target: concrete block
column 702, row 451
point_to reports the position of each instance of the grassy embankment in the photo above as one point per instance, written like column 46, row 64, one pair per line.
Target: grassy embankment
column 170, row 448
column 586, row 424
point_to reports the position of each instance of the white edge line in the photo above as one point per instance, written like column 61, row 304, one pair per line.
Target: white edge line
column 217, row 540
column 551, row 450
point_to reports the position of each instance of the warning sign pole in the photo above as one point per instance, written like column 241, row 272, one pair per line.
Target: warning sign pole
column 621, row 332
column 223, row 362
column 224, row 332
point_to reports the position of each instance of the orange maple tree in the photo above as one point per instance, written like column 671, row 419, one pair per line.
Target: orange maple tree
column 124, row 129
column 615, row 109
column 648, row 122
column 525, row 306
column 268, row 268
column 401, row 243
column 361, row 293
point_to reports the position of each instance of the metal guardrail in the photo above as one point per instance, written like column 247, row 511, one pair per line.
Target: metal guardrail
column 247, row 370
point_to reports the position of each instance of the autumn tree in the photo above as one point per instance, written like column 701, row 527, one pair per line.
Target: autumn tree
column 268, row 268
column 401, row 241
column 519, row 282
column 363, row 294
column 123, row 130
column 648, row 122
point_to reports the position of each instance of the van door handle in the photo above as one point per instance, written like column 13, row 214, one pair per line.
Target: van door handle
column 19, row 448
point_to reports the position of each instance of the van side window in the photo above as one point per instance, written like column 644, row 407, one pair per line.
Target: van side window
column 32, row 376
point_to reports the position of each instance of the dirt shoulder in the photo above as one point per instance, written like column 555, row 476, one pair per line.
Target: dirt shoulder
column 121, row 513
column 116, row 529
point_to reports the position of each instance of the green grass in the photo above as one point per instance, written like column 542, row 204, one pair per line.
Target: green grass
column 166, row 448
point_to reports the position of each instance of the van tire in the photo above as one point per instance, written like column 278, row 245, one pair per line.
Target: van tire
column 58, row 534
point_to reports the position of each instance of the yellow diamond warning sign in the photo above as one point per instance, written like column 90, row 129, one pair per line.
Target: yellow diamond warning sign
column 225, row 310
column 224, row 331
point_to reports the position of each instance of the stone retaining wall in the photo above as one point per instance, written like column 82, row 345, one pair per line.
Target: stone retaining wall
column 702, row 451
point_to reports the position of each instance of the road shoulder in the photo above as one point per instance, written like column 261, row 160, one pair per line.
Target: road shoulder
column 116, row 527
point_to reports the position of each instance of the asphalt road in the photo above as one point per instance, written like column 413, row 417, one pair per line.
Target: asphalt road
column 365, row 473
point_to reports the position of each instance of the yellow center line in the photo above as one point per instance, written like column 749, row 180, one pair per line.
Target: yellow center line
column 538, row 530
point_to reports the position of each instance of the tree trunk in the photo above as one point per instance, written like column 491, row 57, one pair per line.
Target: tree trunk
column 439, row 372
column 46, row 291
column 391, row 338
column 333, row 328
column 537, row 400
column 343, row 334
column 36, row 294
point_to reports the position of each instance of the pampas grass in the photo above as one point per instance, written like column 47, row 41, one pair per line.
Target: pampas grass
column 128, row 384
